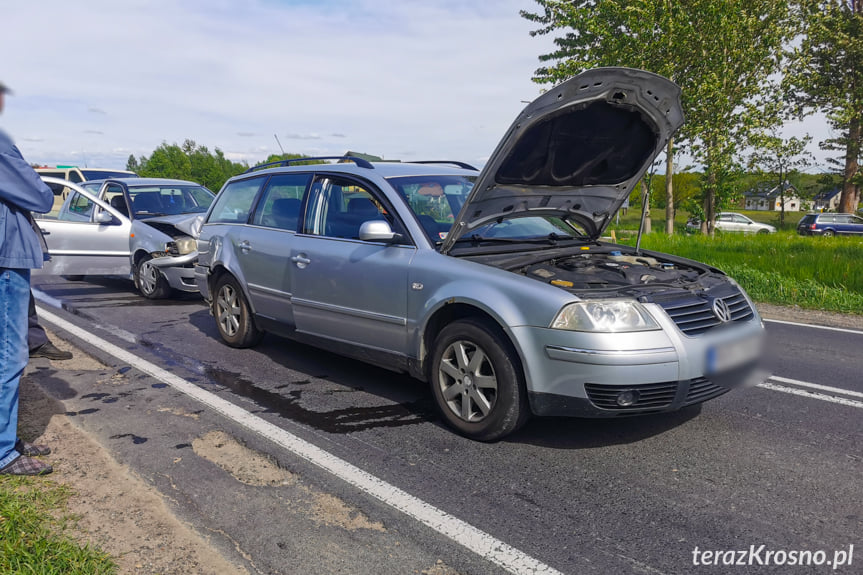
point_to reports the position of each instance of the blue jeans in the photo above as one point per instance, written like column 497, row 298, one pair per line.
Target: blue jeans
column 14, row 298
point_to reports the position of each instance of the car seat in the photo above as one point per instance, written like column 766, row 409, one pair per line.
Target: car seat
column 286, row 213
column 118, row 202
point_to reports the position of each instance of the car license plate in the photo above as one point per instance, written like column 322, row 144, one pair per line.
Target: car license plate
column 733, row 354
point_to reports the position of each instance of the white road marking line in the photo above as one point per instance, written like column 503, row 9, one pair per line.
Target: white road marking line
column 838, row 390
column 481, row 543
column 841, row 329
column 812, row 394
column 54, row 302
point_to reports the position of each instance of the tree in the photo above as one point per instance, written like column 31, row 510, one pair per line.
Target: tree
column 720, row 51
column 827, row 75
column 188, row 162
column 778, row 156
column 646, row 34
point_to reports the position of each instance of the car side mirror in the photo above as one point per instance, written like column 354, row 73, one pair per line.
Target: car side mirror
column 378, row 231
column 104, row 217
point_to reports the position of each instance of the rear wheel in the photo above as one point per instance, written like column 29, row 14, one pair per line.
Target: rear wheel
column 150, row 281
column 477, row 381
column 827, row 233
column 233, row 315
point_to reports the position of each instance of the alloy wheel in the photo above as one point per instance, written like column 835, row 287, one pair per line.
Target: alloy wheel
column 467, row 381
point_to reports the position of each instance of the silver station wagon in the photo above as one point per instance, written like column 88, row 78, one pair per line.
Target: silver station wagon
column 491, row 285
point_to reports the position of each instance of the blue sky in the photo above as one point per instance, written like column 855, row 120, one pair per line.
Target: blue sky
column 98, row 80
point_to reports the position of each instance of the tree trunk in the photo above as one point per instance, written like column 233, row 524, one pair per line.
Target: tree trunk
column 645, row 199
column 669, row 188
column 708, row 225
column 850, row 191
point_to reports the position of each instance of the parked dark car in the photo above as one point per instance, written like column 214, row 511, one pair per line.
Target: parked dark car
column 830, row 225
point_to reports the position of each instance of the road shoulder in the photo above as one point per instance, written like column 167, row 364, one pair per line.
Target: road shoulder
column 117, row 510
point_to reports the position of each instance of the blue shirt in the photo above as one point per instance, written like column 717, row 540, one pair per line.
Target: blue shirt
column 21, row 191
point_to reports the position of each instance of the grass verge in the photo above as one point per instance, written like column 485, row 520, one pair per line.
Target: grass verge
column 33, row 532
column 782, row 268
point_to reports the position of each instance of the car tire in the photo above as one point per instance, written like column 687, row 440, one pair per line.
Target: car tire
column 233, row 314
column 150, row 281
column 763, row 231
column 827, row 233
column 477, row 380
column 73, row 278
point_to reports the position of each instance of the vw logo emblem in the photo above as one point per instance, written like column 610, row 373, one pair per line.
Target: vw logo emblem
column 721, row 311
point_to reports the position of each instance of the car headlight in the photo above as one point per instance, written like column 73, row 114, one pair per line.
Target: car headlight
column 182, row 246
column 607, row 316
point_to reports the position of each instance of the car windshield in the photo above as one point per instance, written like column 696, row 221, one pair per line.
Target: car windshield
column 525, row 229
column 435, row 200
column 165, row 200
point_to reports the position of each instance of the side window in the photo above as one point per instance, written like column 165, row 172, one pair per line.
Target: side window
column 338, row 206
column 115, row 197
column 80, row 209
column 75, row 177
column 280, row 203
column 234, row 203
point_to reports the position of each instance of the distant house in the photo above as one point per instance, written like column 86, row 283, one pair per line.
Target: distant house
column 827, row 201
column 767, row 197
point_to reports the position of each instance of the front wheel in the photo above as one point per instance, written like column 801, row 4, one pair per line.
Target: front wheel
column 150, row 281
column 233, row 315
column 477, row 380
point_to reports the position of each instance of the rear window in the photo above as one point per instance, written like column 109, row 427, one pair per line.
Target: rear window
column 808, row 219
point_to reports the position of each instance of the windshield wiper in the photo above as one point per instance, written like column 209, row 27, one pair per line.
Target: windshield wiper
column 552, row 239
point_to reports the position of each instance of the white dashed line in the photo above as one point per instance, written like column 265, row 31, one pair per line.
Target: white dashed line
column 840, row 329
column 814, row 394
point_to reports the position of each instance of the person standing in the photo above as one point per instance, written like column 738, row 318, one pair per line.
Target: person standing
column 21, row 249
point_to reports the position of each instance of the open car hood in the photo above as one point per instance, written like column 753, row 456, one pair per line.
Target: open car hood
column 575, row 152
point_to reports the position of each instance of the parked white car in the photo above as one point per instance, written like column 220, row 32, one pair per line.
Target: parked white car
column 734, row 222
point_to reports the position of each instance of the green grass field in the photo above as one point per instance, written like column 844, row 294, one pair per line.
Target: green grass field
column 33, row 532
column 782, row 268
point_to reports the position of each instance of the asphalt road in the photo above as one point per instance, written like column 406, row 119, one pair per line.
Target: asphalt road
column 770, row 477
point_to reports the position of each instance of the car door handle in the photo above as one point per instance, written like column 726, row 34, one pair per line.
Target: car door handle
column 301, row 261
column 245, row 246
column 44, row 232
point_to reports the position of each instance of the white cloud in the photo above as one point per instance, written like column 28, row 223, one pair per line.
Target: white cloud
column 98, row 77
column 98, row 80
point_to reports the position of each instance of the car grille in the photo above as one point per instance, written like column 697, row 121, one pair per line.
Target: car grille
column 653, row 396
column 694, row 315
column 702, row 389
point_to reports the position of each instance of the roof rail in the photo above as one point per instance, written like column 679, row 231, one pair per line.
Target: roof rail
column 453, row 162
column 358, row 161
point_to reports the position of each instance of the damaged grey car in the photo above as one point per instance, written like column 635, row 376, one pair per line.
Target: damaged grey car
column 494, row 286
column 137, row 227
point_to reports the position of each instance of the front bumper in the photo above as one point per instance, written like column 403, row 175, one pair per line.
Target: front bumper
column 583, row 374
column 179, row 271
